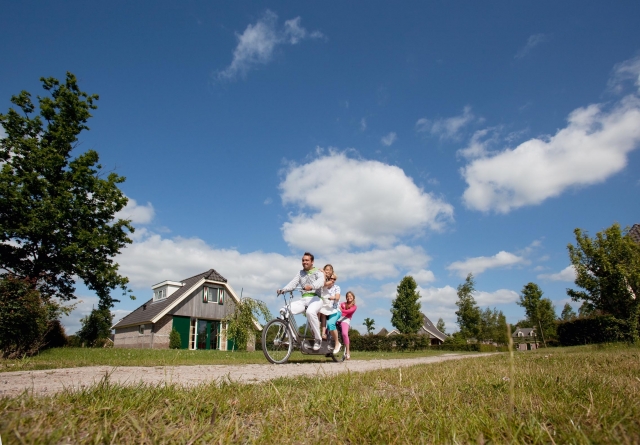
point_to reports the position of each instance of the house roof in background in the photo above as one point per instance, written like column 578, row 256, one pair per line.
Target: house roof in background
column 430, row 328
column 634, row 233
column 149, row 310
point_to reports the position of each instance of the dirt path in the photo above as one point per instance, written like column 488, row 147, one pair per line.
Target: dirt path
column 55, row 380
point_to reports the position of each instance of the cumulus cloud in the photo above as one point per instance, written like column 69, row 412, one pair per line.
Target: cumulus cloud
column 389, row 139
column 500, row 296
column 138, row 214
column 593, row 146
column 343, row 203
column 629, row 70
column 566, row 274
column 533, row 41
column 448, row 128
column 83, row 307
column 480, row 264
column 479, row 144
column 258, row 42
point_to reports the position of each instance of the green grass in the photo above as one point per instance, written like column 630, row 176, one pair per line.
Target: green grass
column 78, row 357
column 576, row 395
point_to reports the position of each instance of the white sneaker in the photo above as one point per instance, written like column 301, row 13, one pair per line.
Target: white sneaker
column 316, row 345
column 337, row 349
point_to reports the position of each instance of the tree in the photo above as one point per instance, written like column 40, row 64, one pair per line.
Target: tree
column 405, row 308
column 25, row 319
column 57, row 213
column 175, row 342
column 96, row 327
column 493, row 326
column 608, row 269
column 242, row 323
column 468, row 312
column 540, row 311
column 369, row 323
column 567, row 312
column 440, row 325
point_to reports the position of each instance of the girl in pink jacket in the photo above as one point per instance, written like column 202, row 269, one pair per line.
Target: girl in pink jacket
column 347, row 308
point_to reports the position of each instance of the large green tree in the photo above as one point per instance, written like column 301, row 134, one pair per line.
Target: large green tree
column 540, row 311
column 567, row 313
column 468, row 312
column 493, row 326
column 405, row 308
column 96, row 327
column 57, row 206
column 608, row 271
column 242, row 323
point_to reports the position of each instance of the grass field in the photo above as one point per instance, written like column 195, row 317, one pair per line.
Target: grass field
column 578, row 395
column 77, row 357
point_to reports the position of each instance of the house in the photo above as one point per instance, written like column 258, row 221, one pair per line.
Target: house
column 195, row 307
column 428, row 328
column 634, row 233
column 524, row 339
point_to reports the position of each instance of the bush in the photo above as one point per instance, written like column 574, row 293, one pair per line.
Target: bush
column 55, row 336
column 399, row 342
column 174, row 339
column 596, row 329
column 96, row 327
column 24, row 317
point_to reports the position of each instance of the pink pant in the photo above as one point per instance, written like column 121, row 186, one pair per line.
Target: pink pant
column 345, row 332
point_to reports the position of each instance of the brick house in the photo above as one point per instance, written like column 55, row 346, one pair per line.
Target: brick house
column 194, row 306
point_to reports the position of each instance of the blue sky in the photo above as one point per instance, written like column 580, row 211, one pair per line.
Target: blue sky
column 435, row 139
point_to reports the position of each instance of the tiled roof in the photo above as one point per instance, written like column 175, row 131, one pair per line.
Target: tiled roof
column 634, row 233
column 148, row 310
column 527, row 332
column 429, row 327
column 383, row 331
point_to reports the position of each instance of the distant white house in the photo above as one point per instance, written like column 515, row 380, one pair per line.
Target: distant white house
column 525, row 339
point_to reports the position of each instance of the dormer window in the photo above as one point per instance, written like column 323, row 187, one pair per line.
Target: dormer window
column 159, row 294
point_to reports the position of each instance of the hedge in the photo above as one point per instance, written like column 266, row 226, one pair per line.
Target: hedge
column 596, row 329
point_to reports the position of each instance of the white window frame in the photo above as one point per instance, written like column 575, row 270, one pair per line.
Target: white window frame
column 214, row 295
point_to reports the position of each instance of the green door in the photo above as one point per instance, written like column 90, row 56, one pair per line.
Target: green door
column 182, row 324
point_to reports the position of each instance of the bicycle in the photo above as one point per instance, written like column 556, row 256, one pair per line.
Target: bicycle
column 281, row 336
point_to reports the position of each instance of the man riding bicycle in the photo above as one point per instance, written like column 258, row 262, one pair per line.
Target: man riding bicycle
column 311, row 280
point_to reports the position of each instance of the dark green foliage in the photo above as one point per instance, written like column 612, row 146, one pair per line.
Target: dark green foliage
column 440, row 325
column 96, row 327
column 55, row 336
column 596, row 329
column 25, row 319
column 405, row 308
column 468, row 312
column 471, row 347
column 174, row 339
column 400, row 342
column 242, row 322
column 493, row 326
column 608, row 271
column 369, row 324
column 567, row 313
column 353, row 333
column 57, row 212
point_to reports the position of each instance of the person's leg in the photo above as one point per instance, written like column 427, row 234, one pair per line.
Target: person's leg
column 298, row 306
column 323, row 325
column 345, row 337
column 331, row 325
column 312, row 317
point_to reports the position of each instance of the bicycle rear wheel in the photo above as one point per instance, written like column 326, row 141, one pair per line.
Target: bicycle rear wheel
column 277, row 343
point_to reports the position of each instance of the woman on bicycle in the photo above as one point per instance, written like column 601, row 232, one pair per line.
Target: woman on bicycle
column 347, row 308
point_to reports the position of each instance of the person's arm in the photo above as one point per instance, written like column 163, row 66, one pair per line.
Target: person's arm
column 348, row 312
column 292, row 284
column 336, row 295
column 318, row 281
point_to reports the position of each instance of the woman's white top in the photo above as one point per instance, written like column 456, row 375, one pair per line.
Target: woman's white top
column 329, row 307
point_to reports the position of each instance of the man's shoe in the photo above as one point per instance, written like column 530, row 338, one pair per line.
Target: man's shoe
column 316, row 345
column 337, row 349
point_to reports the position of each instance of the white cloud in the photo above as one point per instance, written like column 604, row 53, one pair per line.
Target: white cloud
column 480, row 264
column 389, row 139
column 343, row 203
column 138, row 214
column 83, row 307
column 258, row 42
column 3, row 134
column 623, row 72
column 566, row 274
column 533, row 41
column 363, row 124
column 500, row 296
column 592, row 147
column 423, row 276
column 479, row 143
column 449, row 128
column 443, row 296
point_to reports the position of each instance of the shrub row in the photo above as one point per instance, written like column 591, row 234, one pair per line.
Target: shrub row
column 596, row 329
column 400, row 342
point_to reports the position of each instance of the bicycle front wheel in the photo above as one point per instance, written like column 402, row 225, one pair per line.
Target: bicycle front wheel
column 277, row 343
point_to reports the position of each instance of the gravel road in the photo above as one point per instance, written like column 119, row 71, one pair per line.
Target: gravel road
column 55, row 380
